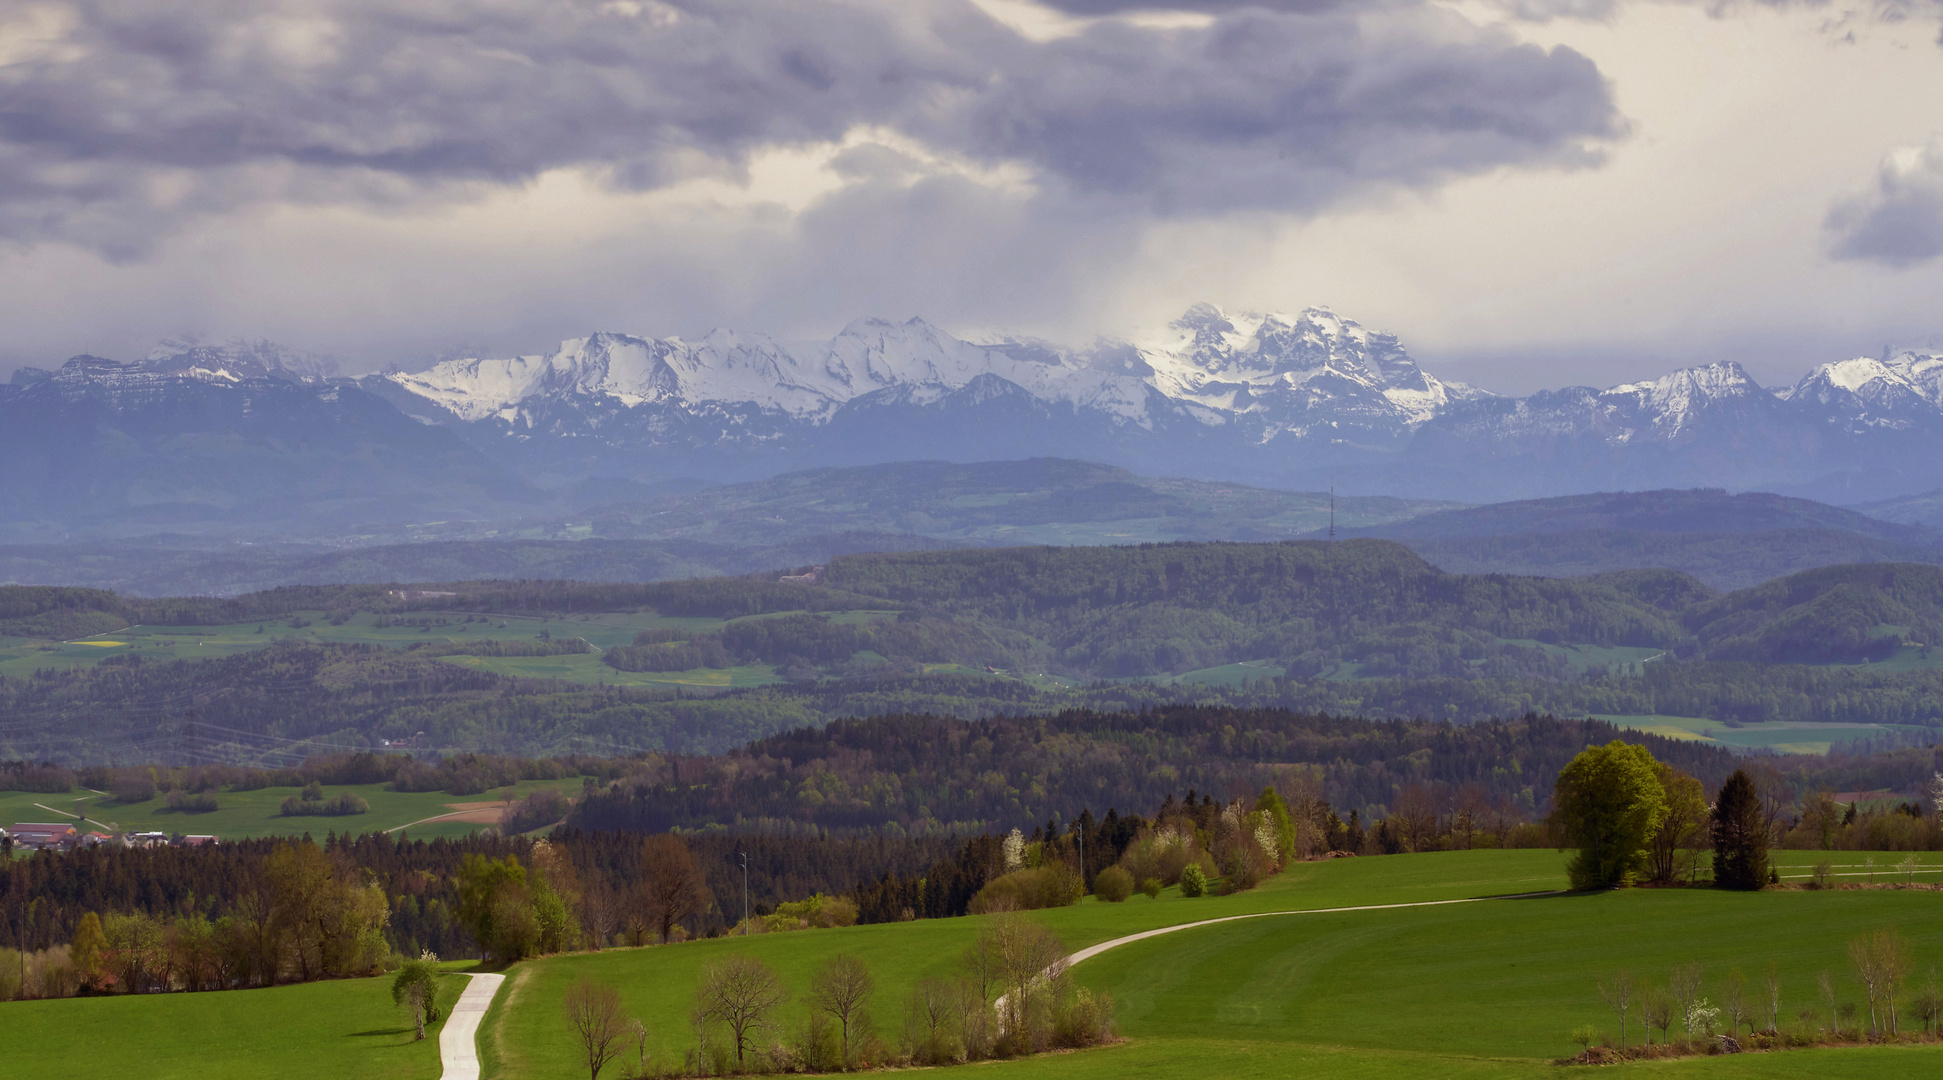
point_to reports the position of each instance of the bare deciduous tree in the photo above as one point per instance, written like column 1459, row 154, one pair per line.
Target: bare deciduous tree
column 601, row 910
column 928, row 1013
column 977, row 1021
column 1774, row 998
column 1470, row 806
column 1684, row 985
column 1027, row 952
column 1620, row 992
column 1659, row 1010
column 1929, row 1003
column 984, row 968
column 1880, row 960
column 1416, row 811
column 1735, row 999
column 739, row 992
column 594, row 1013
column 1828, row 994
column 672, row 887
column 841, row 989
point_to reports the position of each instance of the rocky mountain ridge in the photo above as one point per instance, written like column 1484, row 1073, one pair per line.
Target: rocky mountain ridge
column 1301, row 401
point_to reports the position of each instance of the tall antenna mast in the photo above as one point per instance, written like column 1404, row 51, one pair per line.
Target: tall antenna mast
column 1332, row 513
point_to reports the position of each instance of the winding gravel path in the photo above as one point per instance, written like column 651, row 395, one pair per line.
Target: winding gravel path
column 459, row 1039
column 1094, row 950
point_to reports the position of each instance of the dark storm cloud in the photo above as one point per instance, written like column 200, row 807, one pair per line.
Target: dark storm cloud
column 1898, row 223
column 132, row 118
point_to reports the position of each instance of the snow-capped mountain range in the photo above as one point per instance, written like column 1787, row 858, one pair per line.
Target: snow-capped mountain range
column 1286, row 374
column 1300, row 400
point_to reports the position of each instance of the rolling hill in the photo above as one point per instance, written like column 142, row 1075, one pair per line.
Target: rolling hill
column 1728, row 540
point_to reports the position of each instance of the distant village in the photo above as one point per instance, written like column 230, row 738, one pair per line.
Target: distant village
column 60, row 836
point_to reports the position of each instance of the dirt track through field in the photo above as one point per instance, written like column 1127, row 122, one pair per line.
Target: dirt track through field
column 474, row 813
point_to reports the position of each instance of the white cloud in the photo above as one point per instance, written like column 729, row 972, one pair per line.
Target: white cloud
column 1899, row 222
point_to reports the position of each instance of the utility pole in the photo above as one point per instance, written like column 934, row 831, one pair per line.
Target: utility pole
column 745, row 892
column 1332, row 513
column 1080, row 824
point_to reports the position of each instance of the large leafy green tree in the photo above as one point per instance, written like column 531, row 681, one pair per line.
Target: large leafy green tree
column 1682, row 830
column 1608, row 801
column 1740, row 835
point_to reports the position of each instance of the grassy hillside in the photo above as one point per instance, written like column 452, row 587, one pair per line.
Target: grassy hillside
column 1488, row 988
column 1722, row 560
column 1491, row 988
column 1727, row 541
column 1839, row 614
column 316, row 1031
column 1672, row 511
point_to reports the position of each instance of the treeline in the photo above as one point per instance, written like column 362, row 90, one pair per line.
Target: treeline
column 934, row 774
column 806, row 645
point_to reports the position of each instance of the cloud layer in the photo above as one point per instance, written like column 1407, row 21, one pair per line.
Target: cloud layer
column 120, row 123
column 1899, row 222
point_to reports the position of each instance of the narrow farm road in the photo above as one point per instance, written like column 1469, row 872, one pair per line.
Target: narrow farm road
column 1094, row 950
column 459, row 1039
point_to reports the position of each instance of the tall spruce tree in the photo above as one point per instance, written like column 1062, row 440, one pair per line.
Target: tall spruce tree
column 1740, row 835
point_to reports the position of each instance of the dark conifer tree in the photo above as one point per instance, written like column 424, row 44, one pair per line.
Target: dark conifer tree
column 1740, row 835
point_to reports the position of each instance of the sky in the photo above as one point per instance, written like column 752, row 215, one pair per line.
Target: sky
column 1531, row 193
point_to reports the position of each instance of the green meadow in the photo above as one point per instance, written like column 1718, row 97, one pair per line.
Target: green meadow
column 316, row 1031
column 1781, row 736
column 1487, row 988
column 1490, row 986
column 244, row 814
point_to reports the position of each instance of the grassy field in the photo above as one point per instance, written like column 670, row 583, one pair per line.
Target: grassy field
column 243, row 814
column 1491, row 988
column 1781, row 736
column 317, row 1031
column 587, row 668
column 1225, row 675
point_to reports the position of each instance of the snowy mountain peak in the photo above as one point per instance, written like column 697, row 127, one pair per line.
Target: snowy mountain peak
column 237, row 359
column 1896, row 392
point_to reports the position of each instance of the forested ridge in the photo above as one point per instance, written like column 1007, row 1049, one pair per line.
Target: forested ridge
column 1357, row 628
column 931, row 773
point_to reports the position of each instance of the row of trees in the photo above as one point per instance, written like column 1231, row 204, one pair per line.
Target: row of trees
column 1011, row 996
column 1880, row 968
column 313, row 917
column 1634, row 819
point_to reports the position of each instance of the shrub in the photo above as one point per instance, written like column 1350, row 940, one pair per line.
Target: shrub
column 542, row 808
column 1113, row 885
column 1029, row 890
column 1080, row 1017
column 192, row 804
column 1152, row 888
column 1193, row 881
column 344, row 805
